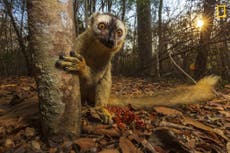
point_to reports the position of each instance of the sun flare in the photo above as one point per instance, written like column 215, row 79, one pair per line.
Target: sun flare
column 199, row 23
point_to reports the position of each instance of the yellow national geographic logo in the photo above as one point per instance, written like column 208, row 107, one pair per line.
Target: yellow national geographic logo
column 221, row 11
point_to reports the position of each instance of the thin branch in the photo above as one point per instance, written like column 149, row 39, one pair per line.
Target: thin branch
column 185, row 73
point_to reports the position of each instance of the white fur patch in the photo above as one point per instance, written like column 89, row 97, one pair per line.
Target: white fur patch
column 121, row 25
column 103, row 18
column 106, row 19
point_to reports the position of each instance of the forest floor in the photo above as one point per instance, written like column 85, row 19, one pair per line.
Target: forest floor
column 184, row 129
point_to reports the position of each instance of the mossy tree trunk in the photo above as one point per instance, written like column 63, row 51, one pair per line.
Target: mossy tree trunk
column 51, row 31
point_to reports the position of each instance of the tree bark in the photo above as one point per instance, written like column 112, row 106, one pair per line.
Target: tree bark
column 51, row 30
column 144, row 32
column 203, row 49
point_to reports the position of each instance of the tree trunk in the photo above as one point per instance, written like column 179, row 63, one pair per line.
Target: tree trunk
column 109, row 5
column 51, row 30
column 203, row 49
column 224, row 52
column 144, row 33
column 160, row 38
column 123, row 10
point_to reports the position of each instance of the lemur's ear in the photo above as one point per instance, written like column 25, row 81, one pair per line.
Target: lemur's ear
column 92, row 17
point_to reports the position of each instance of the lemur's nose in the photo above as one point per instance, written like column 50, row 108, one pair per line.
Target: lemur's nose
column 111, row 42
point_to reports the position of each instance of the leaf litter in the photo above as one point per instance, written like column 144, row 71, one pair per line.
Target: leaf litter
column 193, row 128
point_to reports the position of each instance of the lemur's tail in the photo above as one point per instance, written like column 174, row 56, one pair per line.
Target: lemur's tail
column 202, row 91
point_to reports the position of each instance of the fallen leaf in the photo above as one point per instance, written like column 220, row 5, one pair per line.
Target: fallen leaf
column 102, row 130
column 110, row 151
column 228, row 146
column 227, row 86
column 9, row 143
column 7, row 85
column 36, row 145
column 29, row 132
column 167, row 111
column 53, row 150
column 127, row 146
column 20, row 149
column 143, row 142
column 86, row 143
column 200, row 125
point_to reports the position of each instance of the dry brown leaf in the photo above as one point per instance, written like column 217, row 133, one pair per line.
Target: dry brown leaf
column 228, row 147
column 142, row 141
column 200, row 125
column 85, row 143
column 212, row 137
column 127, row 146
column 110, row 151
column 53, row 150
column 7, row 85
column 35, row 144
column 97, row 129
column 167, row 111
column 29, row 132
column 9, row 143
column 227, row 86
column 225, row 113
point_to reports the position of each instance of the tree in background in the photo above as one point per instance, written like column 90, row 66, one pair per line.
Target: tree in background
column 144, row 32
column 224, row 50
column 160, row 43
column 204, row 48
column 19, row 29
column 51, row 30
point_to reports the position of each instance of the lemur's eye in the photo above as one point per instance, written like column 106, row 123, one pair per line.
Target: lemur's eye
column 101, row 26
column 119, row 32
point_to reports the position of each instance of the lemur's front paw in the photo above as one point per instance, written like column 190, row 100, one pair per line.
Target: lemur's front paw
column 73, row 63
column 104, row 114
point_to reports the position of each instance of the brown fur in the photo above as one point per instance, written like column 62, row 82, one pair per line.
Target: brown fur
column 95, row 80
column 200, row 92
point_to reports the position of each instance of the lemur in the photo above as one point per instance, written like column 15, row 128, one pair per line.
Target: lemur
column 94, row 49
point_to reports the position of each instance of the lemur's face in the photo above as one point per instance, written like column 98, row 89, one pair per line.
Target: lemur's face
column 109, row 29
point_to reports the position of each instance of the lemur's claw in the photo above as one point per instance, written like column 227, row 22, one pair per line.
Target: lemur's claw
column 61, row 56
column 105, row 115
column 58, row 64
column 72, row 64
column 72, row 53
